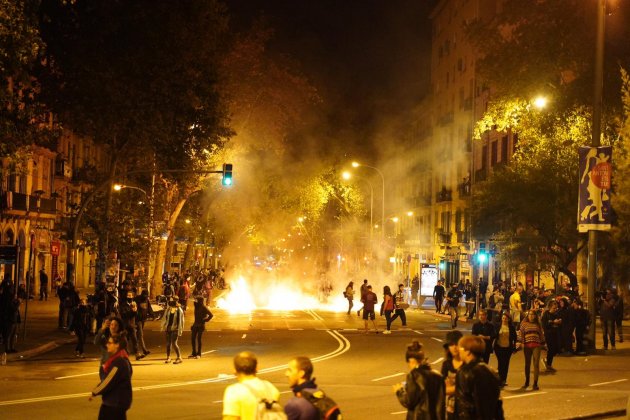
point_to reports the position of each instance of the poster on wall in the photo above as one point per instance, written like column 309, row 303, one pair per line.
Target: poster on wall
column 428, row 279
column 594, row 208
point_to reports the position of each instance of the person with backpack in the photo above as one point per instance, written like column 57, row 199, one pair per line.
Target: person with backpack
column 251, row 397
column 309, row 402
column 423, row 393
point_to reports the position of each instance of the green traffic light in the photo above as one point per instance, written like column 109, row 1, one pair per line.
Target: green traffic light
column 227, row 181
column 481, row 257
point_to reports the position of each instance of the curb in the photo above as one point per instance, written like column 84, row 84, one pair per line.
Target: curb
column 602, row 415
column 44, row 348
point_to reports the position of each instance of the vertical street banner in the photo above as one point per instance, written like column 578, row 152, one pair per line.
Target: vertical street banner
column 594, row 208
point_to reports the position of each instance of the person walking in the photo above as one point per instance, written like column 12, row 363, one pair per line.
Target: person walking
column 452, row 298
column 532, row 339
column 173, row 325
column 115, row 387
column 422, row 394
column 202, row 315
column 111, row 327
column 504, row 346
column 143, row 303
column 551, row 324
column 369, row 300
column 129, row 315
column 43, row 285
column 485, row 330
column 362, row 292
column 300, row 376
column 240, row 400
column 387, row 308
column 349, row 294
column 400, row 304
column 81, row 325
column 450, row 366
column 477, row 387
column 438, row 296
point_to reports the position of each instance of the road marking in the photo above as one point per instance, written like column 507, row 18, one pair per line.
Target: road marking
column 268, row 329
column 209, row 351
column 529, row 394
column 611, row 382
column 387, row 377
column 418, row 332
column 395, row 413
column 349, row 329
column 76, row 376
column 437, row 361
column 437, row 339
column 344, row 346
column 218, row 330
column 314, row 314
column 296, row 329
column 244, row 335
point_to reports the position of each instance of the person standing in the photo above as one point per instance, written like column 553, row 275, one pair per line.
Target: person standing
column 485, row 330
column 399, row 305
column 477, row 388
column 438, row 296
column 387, row 308
column 516, row 305
column 422, row 394
column 112, row 327
column 202, row 315
column 43, row 284
column 145, row 311
column 81, row 324
column 619, row 314
column 129, row 315
column 369, row 300
column 532, row 338
column 582, row 321
column 450, row 366
column 115, row 387
column 504, row 346
column 551, row 324
column 362, row 293
column 173, row 325
column 240, row 400
column 452, row 298
column 349, row 294
column 299, row 373
column 415, row 288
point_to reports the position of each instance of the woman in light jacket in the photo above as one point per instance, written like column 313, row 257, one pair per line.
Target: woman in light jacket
column 173, row 324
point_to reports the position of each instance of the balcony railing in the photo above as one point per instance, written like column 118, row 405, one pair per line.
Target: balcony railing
column 443, row 237
column 444, row 195
column 15, row 201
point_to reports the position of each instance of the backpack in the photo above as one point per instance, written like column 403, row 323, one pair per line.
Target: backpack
column 266, row 409
column 327, row 407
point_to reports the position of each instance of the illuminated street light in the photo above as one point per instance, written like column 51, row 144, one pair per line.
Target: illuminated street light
column 395, row 219
column 346, row 175
column 118, row 187
column 187, row 221
column 301, row 219
column 540, row 102
column 409, row 213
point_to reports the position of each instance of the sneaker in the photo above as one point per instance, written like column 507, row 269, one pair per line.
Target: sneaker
column 192, row 356
column 146, row 352
column 550, row 369
column 82, row 356
column 168, row 360
column 139, row 356
column 198, row 356
column 387, row 332
column 535, row 387
column 177, row 361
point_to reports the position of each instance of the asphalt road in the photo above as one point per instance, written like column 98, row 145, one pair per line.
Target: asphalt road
column 356, row 369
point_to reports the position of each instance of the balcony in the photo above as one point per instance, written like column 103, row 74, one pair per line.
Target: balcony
column 86, row 174
column 22, row 204
column 463, row 237
column 444, row 195
column 443, row 237
column 464, row 189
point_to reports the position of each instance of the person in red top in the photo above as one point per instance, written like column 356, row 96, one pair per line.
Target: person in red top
column 115, row 386
column 369, row 300
column 387, row 308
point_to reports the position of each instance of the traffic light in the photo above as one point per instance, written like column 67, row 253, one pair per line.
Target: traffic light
column 482, row 255
column 227, row 175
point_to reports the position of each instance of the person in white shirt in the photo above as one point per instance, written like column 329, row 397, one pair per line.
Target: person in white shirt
column 240, row 400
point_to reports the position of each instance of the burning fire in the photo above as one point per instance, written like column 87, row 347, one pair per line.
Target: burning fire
column 246, row 295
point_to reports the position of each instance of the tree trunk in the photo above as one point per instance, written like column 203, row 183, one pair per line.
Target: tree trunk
column 163, row 254
column 190, row 252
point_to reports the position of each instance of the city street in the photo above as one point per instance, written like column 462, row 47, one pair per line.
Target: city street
column 356, row 369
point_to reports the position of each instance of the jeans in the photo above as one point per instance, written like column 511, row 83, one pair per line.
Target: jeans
column 552, row 337
column 197, row 332
column 171, row 340
column 529, row 353
column 452, row 310
column 608, row 330
column 81, row 336
column 503, row 357
column 438, row 303
column 108, row 412
column 388, row 318
column 350, row 305
column 140, row 336
column 399, row 313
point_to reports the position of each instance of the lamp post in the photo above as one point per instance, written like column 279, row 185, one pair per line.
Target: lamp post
column 356, row 165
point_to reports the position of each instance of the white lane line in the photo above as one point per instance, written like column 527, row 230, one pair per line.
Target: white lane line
column 217, row 330
column 529, row 394
column 437, row 361
column 349, row 329
column 611, row 382
column 437, row 339
column 395, row 413
column 387, row 377
column 217, row 402
column 76, row 376
column 268, row 329
column 445, row 331
column 296, row 329
column 209, row 351
column 418, row 332
column 286, row 392
column 344, row 346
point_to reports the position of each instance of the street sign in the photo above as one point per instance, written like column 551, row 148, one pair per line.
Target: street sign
column 54, row 248
column 8, row 254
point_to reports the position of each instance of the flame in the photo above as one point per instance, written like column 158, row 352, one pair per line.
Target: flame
column 246, row 295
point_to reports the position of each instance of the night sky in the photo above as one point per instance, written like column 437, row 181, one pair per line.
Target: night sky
column 368, row 58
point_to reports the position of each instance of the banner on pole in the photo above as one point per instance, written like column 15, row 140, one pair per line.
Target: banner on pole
column 594, row 208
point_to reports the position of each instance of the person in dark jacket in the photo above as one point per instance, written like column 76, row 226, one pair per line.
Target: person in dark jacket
column 202, row 315
column 582, row 322
column 423, row 393
column 504, row 346
column 484, row 329
column 607, row 318
column 145, row 311
column 81, row 324
column 551, row 324
column 619, row 314
column 115, row 387
column 477, row 387
column 129, row 315
column 299, row 374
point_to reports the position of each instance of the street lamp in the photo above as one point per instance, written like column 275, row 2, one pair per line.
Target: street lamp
column 540, row 102
column 356, row 165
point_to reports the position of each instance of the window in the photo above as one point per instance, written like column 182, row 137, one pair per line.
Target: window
column 484, row 156
column 504, row 149
column 494, row 153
